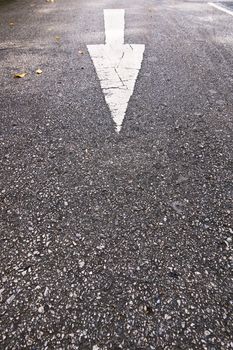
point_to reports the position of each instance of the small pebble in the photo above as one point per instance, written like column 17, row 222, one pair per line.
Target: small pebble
column 41, row 310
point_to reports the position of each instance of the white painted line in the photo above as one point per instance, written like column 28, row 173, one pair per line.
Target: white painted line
column 221, row 8
column 117, row 65
column 114, row 21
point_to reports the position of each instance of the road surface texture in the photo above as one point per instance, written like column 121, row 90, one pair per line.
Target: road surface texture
column 115, row 240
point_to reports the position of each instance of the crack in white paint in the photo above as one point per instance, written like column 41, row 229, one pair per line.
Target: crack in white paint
column 117, row 65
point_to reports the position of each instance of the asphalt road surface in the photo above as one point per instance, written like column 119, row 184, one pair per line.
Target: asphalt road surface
column 115, row 240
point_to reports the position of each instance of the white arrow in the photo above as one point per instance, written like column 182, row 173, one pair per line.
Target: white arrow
column 117, row 65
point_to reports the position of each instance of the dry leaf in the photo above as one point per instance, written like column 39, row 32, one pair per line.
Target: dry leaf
column 50, row 0
column 11, row 24
column 57, row 38
column 38, row 71
column 20, row 75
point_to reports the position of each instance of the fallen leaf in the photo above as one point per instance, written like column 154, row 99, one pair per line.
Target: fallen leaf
column 50, row 0
column 38, row 71
column 11, row 24
column 57, row 38
column 20, row 75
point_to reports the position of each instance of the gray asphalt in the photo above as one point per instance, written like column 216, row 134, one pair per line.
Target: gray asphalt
column 115, row 241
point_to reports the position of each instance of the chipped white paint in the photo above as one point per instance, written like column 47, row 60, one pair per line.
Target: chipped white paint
column 117, row 65
column 10, row 299
column 221, row 8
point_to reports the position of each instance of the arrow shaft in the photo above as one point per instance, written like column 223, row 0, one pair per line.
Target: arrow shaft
column 114, row 21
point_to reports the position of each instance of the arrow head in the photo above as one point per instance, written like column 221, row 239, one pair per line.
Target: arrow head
column 117, row 68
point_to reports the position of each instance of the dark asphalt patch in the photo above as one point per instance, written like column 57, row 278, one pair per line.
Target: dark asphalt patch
column 115, row 241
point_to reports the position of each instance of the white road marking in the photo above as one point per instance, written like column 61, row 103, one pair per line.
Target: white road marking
column 221, row 8
column 117, row 65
